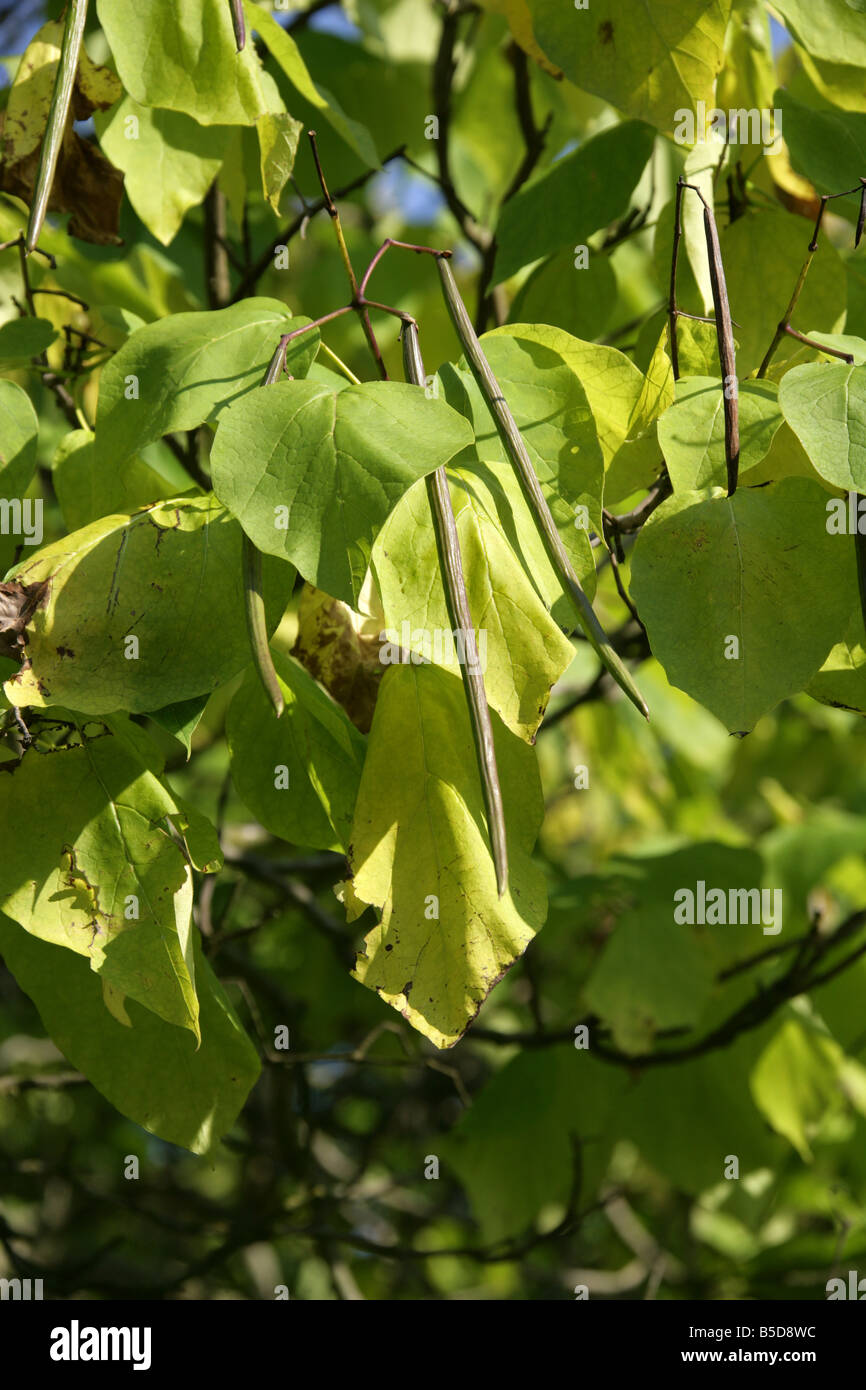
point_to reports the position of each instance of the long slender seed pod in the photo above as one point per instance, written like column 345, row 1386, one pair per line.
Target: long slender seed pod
column 256, row 625
column 454, row 583
column 57, row 117
column 727, row 358
column 673, row 313
column 522, row 464
column 239, row 23
column 254, row 603
column 860, row 551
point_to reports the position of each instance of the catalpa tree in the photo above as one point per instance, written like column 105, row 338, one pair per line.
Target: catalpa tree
column 371, row 371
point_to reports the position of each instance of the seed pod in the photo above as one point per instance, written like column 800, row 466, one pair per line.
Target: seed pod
column 254, row 603
column 454, row 583
column 516, row 450
column 57, row 116
column 239, row 23
column 727, row 358
column 860, row 553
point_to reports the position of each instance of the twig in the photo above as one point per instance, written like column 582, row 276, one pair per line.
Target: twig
column 51, row 379
column 357, row 301
column 217, row 275
column 265, row 260
column 784, row 325
column 534, row 137
column 443, row 79
column 631, row 521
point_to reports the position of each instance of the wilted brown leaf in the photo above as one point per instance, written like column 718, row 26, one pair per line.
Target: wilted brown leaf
column 341, row 649
column 85, row 185
column 18, row 603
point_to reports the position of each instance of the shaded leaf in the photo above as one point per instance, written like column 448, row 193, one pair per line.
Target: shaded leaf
column 758, row 567
column 578, row 194
column 89, row 487
column 298, row 774
column 151, row 1072
column 180, row 371
column 19, row 437
column 25, row 337
column 691, row 432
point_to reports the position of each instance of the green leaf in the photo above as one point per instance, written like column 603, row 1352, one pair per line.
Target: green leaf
column 181, row 55
column 25, row 337
column 492, row 479
column 516, row 1148
column 758, row 567
column 692, row 432
column 650, row 62
column 565, row 296
column 278, row 144
column 181, row 719
column 841, row 681
column 19, row 439
column 654, row 972
column 420, row 854
column 799, row 857
column 763, row 254
column 298, row 774
column 89, row 487
column 169, row 161
column 578, row 194
column 652, row 976
column 796, row 1081
column 828, row 146
column 151, row 1072
column 180, row 371
column 825, row 405
column 312, row 473
column 168, row 576
column 285, row 52
column 97, row 872
column 833, row 30
column 521, row 649
column 698, row 348
column 658, row 1115
column 624, row 402
column 537, row 368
